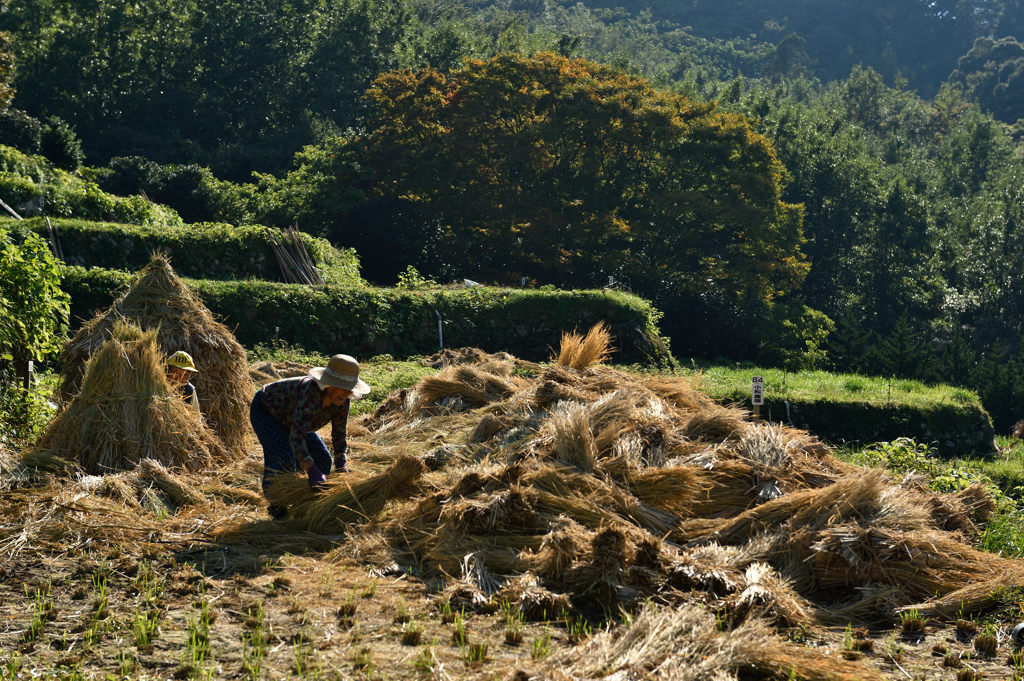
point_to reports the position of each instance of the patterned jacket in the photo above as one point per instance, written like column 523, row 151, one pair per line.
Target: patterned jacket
column 297, row 404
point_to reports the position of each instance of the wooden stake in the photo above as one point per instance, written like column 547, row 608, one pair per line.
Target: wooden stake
column 10, row 210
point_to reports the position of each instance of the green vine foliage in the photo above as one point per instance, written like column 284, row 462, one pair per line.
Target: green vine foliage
column 35, row 309
column 33, row 325
column 412, row 280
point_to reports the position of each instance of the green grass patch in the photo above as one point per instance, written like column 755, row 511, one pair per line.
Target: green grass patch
column 852, row 408
column 1006, row 468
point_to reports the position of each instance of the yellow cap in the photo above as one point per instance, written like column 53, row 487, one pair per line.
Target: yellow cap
column 182, row 360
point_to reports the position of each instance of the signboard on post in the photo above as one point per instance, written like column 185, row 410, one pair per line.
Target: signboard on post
column 757, row 391
column 757, row 395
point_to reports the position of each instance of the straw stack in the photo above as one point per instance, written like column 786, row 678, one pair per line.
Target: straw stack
column 126, row 413
column 159, row 300
column 590, row 489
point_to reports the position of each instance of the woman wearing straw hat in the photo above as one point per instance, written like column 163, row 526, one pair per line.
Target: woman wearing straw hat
column 286, row 415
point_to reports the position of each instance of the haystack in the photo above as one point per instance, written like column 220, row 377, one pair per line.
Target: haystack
column 126, row 413
column 579, row 487
column 159, row 300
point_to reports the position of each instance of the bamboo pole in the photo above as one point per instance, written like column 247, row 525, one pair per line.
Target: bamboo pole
column 304, row 257
column 10, row 210
column 297, row 272
column 55, row 245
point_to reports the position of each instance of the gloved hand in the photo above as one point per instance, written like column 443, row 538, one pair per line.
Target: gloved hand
column 340, row 463
column 317, row 480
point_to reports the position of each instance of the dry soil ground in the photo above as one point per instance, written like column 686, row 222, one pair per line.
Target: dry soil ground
column 147, row 612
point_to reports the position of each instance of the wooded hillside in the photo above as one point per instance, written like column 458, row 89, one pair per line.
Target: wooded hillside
column 805, row 185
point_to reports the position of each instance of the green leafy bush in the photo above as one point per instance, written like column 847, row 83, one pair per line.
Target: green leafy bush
column 201, row 251
column 28, row 181
column 33, row 323
column 59, row 144
column 20, row 130
column 368, row 321
column 411, row 280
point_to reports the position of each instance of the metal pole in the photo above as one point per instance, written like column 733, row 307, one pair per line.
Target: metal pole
column 440, row 333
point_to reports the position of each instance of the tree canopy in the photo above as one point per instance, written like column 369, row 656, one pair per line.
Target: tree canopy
column 565, row 171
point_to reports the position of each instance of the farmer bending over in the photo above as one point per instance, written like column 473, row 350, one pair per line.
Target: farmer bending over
column 286, row 415
column 179, row 368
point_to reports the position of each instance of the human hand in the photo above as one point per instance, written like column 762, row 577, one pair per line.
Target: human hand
column 317, row 480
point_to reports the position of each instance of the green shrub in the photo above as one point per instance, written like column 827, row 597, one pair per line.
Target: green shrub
column 200, row 251
column 28, row 179
column 368, row 321
column 33, row 322
column 20, row 130
column 15, row 162
column 59, row 144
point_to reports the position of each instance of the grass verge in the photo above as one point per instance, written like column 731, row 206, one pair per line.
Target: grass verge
column 847, row 408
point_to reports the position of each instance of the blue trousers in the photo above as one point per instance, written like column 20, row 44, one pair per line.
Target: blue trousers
column 278, row 456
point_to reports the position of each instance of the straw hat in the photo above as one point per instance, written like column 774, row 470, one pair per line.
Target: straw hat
column 341, row 372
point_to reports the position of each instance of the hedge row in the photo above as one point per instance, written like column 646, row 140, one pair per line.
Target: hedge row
column 201, row 251
column 371, row 321
column 952, row 429
column 29, row 185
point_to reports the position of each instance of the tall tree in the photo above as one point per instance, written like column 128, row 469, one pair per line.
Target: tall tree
column 899, row 260
column 567, row 171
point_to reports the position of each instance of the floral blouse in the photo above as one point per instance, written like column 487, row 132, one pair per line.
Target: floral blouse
column 297, row 403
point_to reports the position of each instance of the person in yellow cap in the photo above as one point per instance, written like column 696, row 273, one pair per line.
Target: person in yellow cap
column 179, row 368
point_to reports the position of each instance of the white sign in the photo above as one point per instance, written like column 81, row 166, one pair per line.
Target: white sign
column 757, row 390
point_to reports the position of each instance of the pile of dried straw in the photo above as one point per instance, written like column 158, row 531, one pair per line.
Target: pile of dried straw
column 125, row 414
column 579, row 482
column 579, row 487
column 158, row 300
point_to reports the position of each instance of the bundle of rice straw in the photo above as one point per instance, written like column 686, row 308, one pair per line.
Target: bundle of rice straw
column 126, row 413
column 159, row 300
column 528, row 598
column 475, row 386
column 510, row 511
column 687, row 643
column 30, row 466
column 291, row 491
column 345, row 501
column 580, row 352
column 180, row 492
column 980, row 596
column 767, row 595
column 924, row 563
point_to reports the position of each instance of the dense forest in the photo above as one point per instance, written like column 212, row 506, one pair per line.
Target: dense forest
column 834, row 184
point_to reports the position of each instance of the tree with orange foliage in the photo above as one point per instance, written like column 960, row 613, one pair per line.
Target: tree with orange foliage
column 567, row 171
